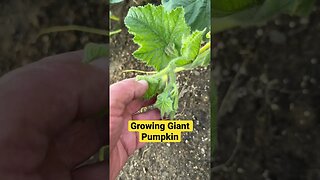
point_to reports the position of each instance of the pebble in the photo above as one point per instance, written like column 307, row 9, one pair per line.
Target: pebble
column 197, row 73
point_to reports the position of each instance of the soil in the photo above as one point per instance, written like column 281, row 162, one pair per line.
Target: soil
column 189, row 159
column 268, row 87
column 21, row 21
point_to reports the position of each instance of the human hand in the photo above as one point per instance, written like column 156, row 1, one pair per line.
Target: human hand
column 125, row 101
column 47, row 122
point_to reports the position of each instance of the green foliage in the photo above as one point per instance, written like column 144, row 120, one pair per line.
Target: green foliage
column 202, row 59
column 197, row 12
column 164, row 103
column 191, row 45
column 158, row 33
column 94, row 51
column 227, row 7
column 167, row 45
column 234, row 13
column 155, row 86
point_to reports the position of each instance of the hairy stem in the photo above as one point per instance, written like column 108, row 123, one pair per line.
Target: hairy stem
column 172, row 65
column 73, row 28
column 205, row 47
column 114, row 32
column 139, row 71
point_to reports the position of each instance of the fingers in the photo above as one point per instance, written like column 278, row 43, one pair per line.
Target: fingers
column 130, row 140
column 81, row 141
column 57, row 90
column 150, row 115
column 124, row 92
column 98, row 171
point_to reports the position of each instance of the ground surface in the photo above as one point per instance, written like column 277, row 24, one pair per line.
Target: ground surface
column 268, row 81
column 21, row 21
column 189, row 159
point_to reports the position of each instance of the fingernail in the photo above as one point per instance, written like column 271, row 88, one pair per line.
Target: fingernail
column 143, row 82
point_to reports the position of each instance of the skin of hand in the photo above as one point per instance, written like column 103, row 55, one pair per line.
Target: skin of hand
column 125, row 100
column 48, row 119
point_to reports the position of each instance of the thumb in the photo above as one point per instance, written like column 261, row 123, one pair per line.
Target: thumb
column 127, row 90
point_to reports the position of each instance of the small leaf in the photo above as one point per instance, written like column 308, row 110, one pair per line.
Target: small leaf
column 208, row 35
column 191, row 45
column 94, row 51
column 157, row 32
column 202, row 59
column 153, row 86
column 164, row 104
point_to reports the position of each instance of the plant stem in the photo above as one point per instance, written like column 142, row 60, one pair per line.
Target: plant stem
column 114, row 32
column 170, row 66
column 139, row 71
column 73, row 28
column 205, row 47
column 115, row 18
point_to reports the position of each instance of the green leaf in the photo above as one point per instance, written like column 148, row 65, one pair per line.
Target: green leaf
column 190, row 48
column 303, row 8
column 202, row 59
column 181, row 61
column 171, row 50
column 94, row 51
column 226, row 7
column 164, row 103
column 154, row 86
column 158, row 32
column 197, row 12
column 191, row 45
column 261, row 13
column 208, row 35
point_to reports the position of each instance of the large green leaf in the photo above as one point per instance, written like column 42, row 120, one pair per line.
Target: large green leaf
column 197, row 12
column 158, row 32
column 261, row 13
column 226, row 7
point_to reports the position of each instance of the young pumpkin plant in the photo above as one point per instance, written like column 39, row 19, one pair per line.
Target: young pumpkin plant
column 169, row 46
